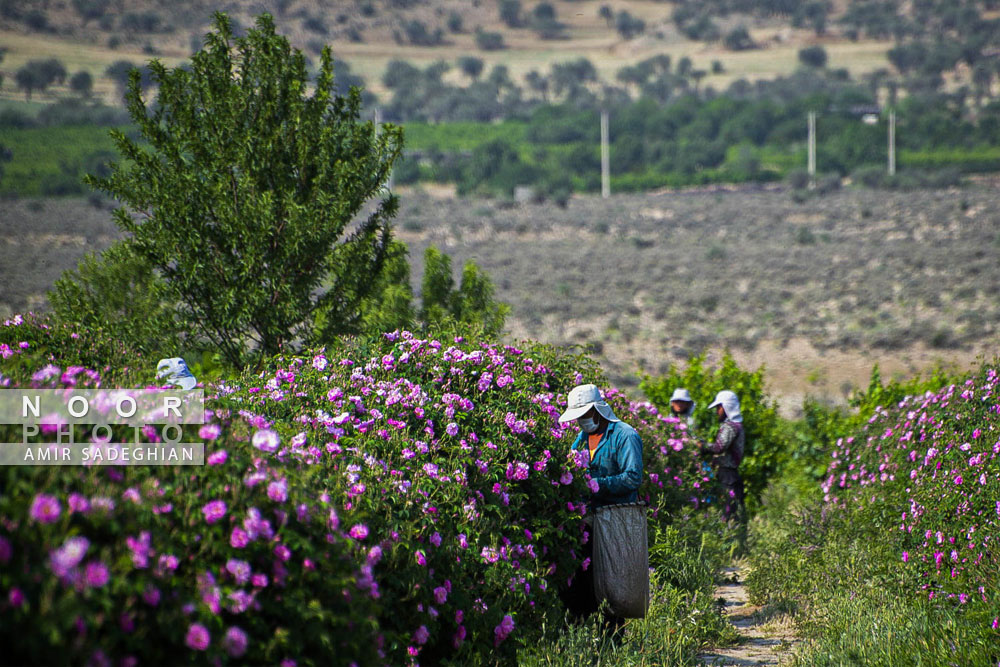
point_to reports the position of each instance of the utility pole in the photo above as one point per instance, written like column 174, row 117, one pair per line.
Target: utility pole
column 892, row 143
column 605, row 158
column 812, row 149
column 378, row 131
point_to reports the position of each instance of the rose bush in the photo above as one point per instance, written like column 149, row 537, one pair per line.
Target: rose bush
column 897, row 554
column 929, row 465
column 395, row 499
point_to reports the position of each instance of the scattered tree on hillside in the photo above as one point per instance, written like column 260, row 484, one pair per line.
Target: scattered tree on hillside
column 538, row 83
column 90, row 10
column 38, row 75
column 120, row 71
column 738, row 39
column 545, row 23
column 471, row 66
column 82, row 83
column 813, row 56
column 417, row 33
column 628, row 26
column 488, row 41
column 606, row 13
column 510, row 13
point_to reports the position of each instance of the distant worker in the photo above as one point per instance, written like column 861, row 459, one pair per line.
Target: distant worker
column 615, row 454
column 176, row 372
column 727, row 451
column 682, row 406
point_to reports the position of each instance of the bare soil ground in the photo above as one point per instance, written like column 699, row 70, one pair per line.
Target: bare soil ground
column 767, row 637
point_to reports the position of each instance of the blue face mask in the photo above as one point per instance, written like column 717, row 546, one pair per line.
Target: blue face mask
column 589, row 425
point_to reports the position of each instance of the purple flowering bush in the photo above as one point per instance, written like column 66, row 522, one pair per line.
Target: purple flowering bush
column 390, row 500
column 930, row 465
column 903, row 536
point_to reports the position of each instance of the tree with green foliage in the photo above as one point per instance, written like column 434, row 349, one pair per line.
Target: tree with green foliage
column 628, row 26
column 389, row 305
column 488, row 41
column 120, row 72
column 475, row 303
column 605, row 12
column 437, row 288
column 244, row 192
column 472, row 303
column 544, row 21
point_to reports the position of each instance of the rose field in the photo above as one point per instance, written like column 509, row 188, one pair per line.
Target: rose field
column 396, row 500
column 894, row 560
column 406, row 499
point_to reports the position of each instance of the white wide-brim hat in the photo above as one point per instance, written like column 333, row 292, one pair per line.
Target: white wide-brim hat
column 581, row 399
column 730, row 403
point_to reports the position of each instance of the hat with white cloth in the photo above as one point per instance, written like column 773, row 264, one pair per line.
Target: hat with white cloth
column 581, row 399
column 730, row 403
column 176, row 372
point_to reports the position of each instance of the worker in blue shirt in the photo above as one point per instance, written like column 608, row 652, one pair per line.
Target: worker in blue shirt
column 615, row 450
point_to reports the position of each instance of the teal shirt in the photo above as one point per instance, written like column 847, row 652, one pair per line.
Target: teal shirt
column 617, row 464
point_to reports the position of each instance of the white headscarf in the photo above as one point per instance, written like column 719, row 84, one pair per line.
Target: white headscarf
column 730, row 403
column 176, row 372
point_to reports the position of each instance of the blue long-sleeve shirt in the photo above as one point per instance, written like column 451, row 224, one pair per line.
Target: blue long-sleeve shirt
column 616, row 465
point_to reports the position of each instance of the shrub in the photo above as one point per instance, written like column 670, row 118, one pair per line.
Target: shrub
column 118, row 295
column 804, row 236
column 36, row 19
column 798, row 179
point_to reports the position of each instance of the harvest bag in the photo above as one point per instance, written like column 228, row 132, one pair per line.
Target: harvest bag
column 621, row 559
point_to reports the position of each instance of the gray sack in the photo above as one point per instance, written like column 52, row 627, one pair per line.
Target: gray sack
column 621, row 559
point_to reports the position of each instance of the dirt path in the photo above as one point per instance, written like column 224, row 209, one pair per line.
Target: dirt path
column 767, row 637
